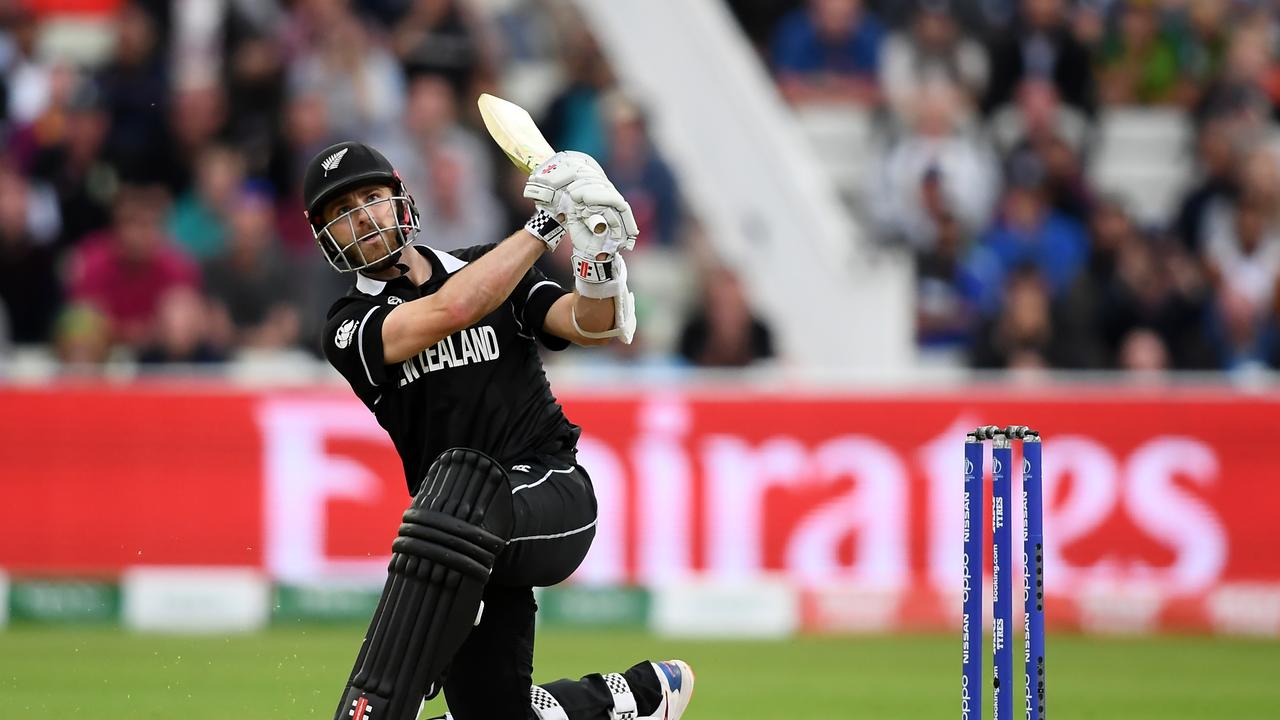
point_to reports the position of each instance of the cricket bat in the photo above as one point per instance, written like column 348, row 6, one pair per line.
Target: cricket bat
column 520, row 139
column 515, row 132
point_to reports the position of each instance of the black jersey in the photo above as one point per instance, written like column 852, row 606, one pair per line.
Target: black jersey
column 482, row 387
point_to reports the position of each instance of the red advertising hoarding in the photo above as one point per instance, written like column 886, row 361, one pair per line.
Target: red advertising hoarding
column 1148, row 495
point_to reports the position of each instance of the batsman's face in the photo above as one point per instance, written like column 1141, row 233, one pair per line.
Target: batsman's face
column 363, row 223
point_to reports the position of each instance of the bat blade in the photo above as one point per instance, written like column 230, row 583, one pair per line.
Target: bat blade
column 514, row 131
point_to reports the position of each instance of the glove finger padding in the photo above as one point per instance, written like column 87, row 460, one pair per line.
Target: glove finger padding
column 548, row 181
column 605, row 200
column 596, row 193
column 620, row 232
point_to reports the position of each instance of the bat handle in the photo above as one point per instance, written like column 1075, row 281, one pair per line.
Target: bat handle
column 598, row 225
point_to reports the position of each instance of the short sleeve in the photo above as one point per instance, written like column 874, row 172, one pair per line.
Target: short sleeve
column 353, row 344
column 533, row 298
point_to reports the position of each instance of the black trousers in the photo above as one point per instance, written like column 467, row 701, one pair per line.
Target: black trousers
column 490, row 677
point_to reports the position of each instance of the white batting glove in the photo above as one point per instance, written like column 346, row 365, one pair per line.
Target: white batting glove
column 607, row 215
column 548, row 184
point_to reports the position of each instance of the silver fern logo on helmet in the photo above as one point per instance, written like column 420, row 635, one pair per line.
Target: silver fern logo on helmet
column 331, row 162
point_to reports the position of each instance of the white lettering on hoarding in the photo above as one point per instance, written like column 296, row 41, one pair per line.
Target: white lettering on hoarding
column 665, row 517
column 705, row 503
column 605, row 562
column 873, row 512
column 300, row 478
column 1167, row 512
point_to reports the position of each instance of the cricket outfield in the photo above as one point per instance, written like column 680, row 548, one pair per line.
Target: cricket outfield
column 109, row 674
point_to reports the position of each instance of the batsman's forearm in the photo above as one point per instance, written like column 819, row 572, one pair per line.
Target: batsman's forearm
column 593, row 315
column 486, row 283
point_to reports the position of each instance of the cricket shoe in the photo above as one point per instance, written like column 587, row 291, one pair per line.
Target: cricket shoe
column 676, row 679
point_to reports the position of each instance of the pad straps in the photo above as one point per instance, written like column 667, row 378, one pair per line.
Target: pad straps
column 545, row 706
column 624, row 703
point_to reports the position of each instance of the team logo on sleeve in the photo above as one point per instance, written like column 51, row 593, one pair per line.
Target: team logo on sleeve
column 346, row 331
column 394, row 300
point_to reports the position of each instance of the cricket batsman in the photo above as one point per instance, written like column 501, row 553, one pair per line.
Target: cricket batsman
column 441, row 348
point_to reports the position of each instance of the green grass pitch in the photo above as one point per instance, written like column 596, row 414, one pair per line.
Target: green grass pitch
column 104, row 674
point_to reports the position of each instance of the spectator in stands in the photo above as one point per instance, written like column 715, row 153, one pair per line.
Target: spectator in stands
column 1240, row 94
column 1030, row 232
column 251, row 286
column 933, row 49
column 985, row 18
column 1154, row 287
column 199, row 219
column 27, row 78
column 71, row 163
column 124, row 271
column 183, row 331
column 1021, row 336
column 457, row 211
column 361, row 82
column 828, row 51
column 723, row 332
column 1037, row 116
column 1139, row 60
column 304, row 131
column 1144, row 354
column 445, row 166
column 1216, row 156
column 1083, row 316
column 255, row 80
column 938, row 145
column 759, row 18
column 29, row 287
column 1133, row 282
column 1066, row 186
column 82, row 338
column 1090, row 24
column 431, row 120
column 1041, row 46
column 135, row 84
column 27, row 139
column 1202, row 44
column 640, row 174
column 573, row 119
column 946, row 292
column 441, row 37
column 1243, row 256
column 197, row 121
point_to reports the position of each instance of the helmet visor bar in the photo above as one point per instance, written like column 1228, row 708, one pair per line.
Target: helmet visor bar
column 360, row 235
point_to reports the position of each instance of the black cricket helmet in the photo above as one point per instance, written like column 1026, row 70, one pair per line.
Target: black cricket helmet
column 344, row 167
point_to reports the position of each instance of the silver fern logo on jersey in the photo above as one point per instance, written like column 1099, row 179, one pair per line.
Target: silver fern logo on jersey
column 346, row 331
column 331, row 162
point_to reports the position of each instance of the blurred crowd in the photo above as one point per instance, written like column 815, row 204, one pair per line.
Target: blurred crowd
column 151, row 153
column 988, row 109
column 150, row 158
